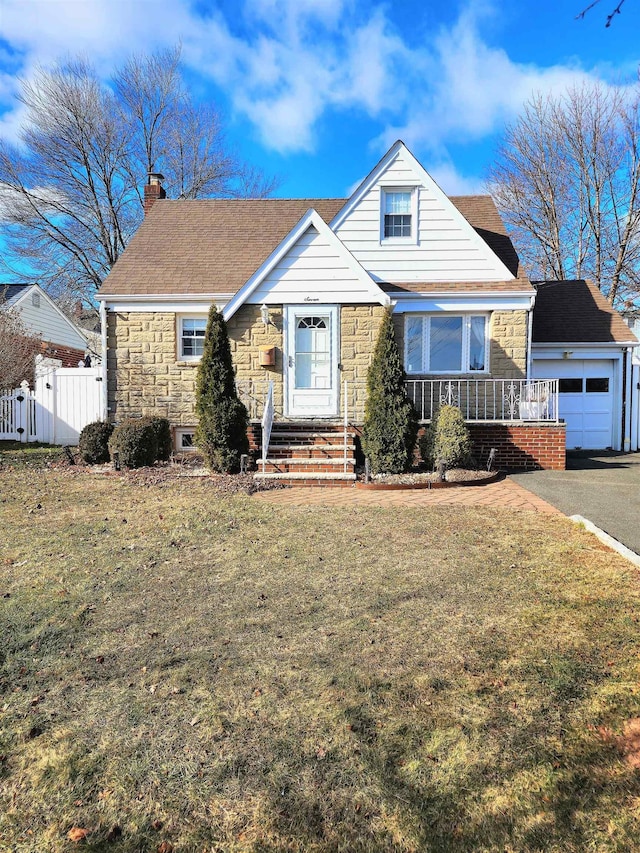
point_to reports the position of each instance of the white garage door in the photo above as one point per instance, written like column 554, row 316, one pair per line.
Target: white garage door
column 585, row 399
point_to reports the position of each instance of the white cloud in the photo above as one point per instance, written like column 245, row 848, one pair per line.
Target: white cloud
column 285, row 64
column 453, row 182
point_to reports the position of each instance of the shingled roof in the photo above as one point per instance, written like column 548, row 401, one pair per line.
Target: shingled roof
column 215, row 245
column 569, row 312
column 10, row 293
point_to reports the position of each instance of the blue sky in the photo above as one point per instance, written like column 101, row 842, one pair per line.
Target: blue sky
column 317, row 90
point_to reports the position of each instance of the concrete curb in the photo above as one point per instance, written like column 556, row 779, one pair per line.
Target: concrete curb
column 625, row 552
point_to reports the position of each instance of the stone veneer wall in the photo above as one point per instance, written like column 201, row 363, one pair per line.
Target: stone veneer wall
column 146, row 377
column 508, row 346
column 359, row 325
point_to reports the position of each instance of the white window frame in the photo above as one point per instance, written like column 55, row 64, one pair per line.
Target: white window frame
column 466, row 342
column 180, row 324
column 412, row 239
column 179, row 432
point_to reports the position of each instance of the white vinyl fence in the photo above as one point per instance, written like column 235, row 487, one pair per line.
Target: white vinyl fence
column 63, row 401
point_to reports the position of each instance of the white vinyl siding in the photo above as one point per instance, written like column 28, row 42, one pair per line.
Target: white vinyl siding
column 446, row 343
column 444, row 248
column 49, row 324
column 311, row 271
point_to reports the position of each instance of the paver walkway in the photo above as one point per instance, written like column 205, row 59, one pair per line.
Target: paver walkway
column 505, row 494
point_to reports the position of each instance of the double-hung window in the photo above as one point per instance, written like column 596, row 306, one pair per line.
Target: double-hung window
column 398, row 214
column 191, row 337
column 446, row 343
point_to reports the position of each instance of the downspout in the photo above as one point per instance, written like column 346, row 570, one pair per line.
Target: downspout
column 634, row 395
column 627, row 398
column 103, row 335
column 530, row 337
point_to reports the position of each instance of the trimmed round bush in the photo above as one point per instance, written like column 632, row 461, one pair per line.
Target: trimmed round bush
column 447, row 439
column 135, row 442
column 94, row 442
column 162, row 431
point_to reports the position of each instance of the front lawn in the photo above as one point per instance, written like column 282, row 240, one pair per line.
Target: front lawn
column 183, row 670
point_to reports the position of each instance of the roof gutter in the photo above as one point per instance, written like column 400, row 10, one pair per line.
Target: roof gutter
column 162, row 297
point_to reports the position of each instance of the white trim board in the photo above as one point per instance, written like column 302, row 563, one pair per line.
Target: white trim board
column 153, row 307
column 462, row 303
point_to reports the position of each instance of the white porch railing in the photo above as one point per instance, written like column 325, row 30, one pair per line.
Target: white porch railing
column 478, row 399
column 253, row 393
column 487, row 399
column 267, row 423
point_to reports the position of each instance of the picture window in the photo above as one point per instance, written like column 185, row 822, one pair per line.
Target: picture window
column 446, row 343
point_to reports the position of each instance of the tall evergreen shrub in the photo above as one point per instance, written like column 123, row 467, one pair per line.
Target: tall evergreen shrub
column 390, row 420
column 221, row 435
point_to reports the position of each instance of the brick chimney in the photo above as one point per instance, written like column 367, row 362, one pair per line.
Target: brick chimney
column 153, row 190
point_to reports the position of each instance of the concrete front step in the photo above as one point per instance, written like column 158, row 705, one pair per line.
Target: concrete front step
column 310, row 437
column 310, row 451
column 326, row 466
column 304, row 478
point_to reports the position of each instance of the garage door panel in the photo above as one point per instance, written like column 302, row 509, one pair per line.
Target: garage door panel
column 585, row 399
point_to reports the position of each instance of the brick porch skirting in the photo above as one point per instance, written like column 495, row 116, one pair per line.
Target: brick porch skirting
column 521, row 447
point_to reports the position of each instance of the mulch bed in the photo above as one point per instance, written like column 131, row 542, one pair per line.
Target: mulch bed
column 430, row 480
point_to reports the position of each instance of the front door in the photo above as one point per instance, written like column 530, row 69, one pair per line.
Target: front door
column 312, row 361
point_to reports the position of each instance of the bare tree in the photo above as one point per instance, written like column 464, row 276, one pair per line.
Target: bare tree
column 71, row 193
column 567, row 181
column 18, row 348
column 617, row 10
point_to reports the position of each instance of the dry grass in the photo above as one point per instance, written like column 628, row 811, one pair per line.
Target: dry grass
column 203, row 671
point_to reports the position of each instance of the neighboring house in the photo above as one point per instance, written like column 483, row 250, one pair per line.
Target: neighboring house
column 303, row 284
column 60, row 338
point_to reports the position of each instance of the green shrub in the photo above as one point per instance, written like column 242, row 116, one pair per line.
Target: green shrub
column 221, row 435
column 447, row 439
column 94, row 442
column 162, row 431
column 135, row 442
column 390, row 420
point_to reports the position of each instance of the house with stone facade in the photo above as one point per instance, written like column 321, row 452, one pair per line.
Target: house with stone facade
column 303, row 285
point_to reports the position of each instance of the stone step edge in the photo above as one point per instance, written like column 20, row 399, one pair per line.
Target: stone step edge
column 296, row 460
column 312, row 433
column 305, row 446
column 303, row 475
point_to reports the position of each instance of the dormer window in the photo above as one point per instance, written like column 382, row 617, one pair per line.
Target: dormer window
column 399, row 214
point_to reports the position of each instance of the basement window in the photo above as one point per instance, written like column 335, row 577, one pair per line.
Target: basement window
column 185, row 440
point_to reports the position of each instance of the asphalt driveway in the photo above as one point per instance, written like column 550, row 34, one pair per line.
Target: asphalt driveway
column 603, row 487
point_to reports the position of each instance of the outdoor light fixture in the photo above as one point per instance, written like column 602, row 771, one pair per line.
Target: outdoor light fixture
column 264, row 314
column 567, row 353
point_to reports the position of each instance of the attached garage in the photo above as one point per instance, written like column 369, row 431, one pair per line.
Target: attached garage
column 579, row 339
column 585, row 401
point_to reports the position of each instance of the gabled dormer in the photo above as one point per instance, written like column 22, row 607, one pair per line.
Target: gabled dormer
column 402, row 227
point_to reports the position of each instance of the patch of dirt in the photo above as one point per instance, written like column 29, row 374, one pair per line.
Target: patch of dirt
column 164, row 473
column 629, row 742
